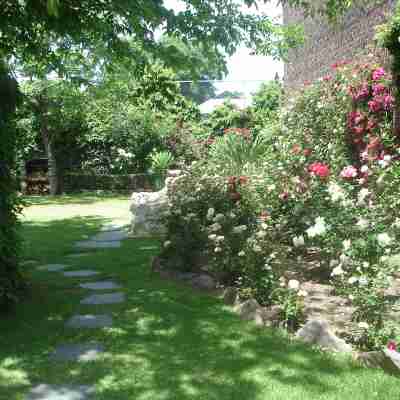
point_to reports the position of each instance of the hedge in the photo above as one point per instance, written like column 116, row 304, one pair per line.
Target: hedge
column 10, row 279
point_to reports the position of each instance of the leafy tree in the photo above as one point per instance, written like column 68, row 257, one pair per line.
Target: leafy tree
column 227, row 94
column 266, row 103
column 128, row 118
column 55, row 116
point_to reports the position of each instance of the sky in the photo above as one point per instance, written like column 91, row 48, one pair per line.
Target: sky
column 248, row 69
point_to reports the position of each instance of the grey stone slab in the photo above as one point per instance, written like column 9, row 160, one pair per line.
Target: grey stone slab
column 77, row 352
column 89, row 321
column 92, row 244
column 114, row 226
column 77, row 255
column 110, row 236
column 28, row 262
column 60, row 392
column 80, row 273
column 109, row 298
column 52, row 267
column 101, row 285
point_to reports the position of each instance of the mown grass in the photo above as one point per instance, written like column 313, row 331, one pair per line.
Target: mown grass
column 86, row 197
column 167, row 342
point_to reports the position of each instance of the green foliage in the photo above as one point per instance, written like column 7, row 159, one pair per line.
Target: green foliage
column 224, row 117
column 236, row 151
column 161, row 161
column 10, row 278
column 266, row 105
column 292, row 307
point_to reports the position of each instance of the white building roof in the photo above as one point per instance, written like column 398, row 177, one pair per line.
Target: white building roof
column 210, row 105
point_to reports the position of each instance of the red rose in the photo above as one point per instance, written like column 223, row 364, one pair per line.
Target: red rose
column 319, row 169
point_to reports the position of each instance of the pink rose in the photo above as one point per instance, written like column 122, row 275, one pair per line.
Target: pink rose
column 376, row 104
column 388, row 102
column 392, row 345
column 378, row 89
column 349, row 172
column 378, row 74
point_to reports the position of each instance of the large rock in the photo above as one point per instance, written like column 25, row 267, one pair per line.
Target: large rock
column 386, row 359
column 204, row 281
column 272, row 315
column 230, row 296
column 250, row 310
column 317, row 332
column 147, row 209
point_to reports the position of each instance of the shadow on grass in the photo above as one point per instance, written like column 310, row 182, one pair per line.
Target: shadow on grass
column 76, row 198
column 167, row 343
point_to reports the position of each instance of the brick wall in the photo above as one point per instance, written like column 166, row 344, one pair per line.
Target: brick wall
column 326, row 44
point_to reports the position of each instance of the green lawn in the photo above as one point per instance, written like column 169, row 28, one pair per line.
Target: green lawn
column 167, row 342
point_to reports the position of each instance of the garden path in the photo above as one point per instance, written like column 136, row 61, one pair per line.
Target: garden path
column 110, row 236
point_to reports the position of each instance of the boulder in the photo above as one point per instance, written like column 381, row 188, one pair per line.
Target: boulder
column 204, row 281
column 386, row 359
column 272, row 315
column 156, row 264
column 147, row 209
column 230, row 296
column 250, row 310
column 317, row 332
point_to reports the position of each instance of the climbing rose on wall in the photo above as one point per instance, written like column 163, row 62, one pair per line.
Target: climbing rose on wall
column 378, row 74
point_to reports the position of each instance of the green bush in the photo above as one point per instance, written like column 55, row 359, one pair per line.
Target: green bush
column 10, row 278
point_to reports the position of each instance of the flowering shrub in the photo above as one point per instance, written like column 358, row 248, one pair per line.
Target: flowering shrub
column 326, row 185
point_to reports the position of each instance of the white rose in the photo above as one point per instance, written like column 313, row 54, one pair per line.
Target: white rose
column 298, row 241
column 293, row 284
column 261, row 234
column 167, row 243
column 384, row 239
column 241, row 253
column 337, row 271
column 353, row 280
column 362, row 224
column 363, row 281
column 346, row 244
column 363, row 325
column 257, row 248
column 302, row 293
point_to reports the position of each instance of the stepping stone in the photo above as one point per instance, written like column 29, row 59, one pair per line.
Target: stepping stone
column 81, row 273
column 102, row 285
column 77, row 352
column 28, row 262
column 110, row 236
column 89, row 321
column 114, row 227
column 92, row 244
column 52, row 267
column 109, row 298
column 60, row 392
column 149, row 248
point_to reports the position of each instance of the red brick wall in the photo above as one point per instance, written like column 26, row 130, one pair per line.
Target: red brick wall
column 326, row 44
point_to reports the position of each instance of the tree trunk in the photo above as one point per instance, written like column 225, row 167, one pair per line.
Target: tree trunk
column 53, row 174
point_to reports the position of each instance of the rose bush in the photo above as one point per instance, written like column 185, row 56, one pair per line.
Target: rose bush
column 325, row 186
